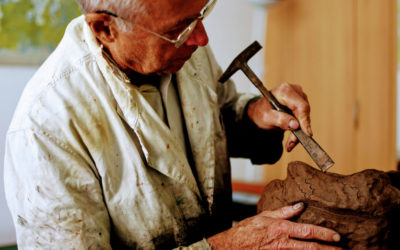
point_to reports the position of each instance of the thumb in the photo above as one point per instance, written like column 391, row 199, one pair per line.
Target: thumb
column 285, row 212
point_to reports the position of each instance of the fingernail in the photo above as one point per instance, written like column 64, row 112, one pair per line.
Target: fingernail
column 309, row 131
column 336, row 237
column 298, row 205
column 293, row 124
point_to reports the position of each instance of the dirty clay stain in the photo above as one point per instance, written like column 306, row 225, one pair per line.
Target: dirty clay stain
column 192, row 125
column 52, row 228
column 168, row 146
column 21, row 220
column 180, row 200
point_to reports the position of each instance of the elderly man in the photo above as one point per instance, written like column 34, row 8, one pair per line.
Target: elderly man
column 121, row 139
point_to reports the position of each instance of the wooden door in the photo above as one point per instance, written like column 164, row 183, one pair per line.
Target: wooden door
column 343, row 54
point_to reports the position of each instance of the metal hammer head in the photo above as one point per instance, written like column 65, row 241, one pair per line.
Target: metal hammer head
column 241, row 59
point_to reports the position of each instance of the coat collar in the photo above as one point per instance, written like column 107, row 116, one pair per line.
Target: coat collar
column 197, row 102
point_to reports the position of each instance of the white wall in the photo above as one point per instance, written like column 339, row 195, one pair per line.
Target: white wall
column 229, row 29
column 232, row 26
column 12, row 82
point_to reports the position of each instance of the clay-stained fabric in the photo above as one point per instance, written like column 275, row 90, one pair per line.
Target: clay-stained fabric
column 363, row 207
column 89, row 163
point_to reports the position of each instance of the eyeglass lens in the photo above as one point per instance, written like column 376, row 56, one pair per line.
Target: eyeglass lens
column 186, row 32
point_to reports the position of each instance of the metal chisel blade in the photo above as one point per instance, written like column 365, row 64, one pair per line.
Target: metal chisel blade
column 319, row 156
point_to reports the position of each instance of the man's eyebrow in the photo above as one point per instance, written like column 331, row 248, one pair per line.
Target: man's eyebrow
column 186, row 20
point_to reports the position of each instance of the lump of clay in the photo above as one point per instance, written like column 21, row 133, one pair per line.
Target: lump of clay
column 363, row 207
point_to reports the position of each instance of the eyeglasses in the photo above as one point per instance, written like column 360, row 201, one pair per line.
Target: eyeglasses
column 180, row 38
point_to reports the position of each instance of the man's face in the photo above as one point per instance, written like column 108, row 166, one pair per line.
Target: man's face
column 145, row 53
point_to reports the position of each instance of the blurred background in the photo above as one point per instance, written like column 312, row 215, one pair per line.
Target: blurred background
column 343, row 53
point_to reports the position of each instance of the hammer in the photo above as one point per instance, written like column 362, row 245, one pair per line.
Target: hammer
column 319, row 156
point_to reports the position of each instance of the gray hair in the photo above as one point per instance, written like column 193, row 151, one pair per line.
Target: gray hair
column 126, row 9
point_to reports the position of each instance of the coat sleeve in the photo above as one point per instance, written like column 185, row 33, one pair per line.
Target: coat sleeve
column 54, row 195
column 244, row 138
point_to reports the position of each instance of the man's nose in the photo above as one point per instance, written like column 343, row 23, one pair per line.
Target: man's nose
column 199, row 36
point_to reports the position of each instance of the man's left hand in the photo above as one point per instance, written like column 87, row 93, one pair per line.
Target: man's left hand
column 266, row 117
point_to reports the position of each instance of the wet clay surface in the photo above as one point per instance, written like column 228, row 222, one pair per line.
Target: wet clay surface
column 363, row 207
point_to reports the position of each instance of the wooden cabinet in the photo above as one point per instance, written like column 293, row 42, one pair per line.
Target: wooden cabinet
column 343, row 54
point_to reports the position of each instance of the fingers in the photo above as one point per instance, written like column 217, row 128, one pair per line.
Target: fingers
column 293, row 97
column 285, row 212
column 291, row 142
column 296, row 244
column 272, row 230
column 299, row 90
column 282, row 120
column 275, row 119
column 306, row 231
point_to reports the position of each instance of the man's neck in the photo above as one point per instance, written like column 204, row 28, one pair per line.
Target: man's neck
column 140, row 79
column 135, row 77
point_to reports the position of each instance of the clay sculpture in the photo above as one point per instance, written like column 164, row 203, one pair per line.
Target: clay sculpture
column 363, row 207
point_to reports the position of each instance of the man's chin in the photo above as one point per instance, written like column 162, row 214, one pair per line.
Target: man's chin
column 174, row 67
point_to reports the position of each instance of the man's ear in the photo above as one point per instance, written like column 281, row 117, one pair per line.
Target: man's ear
column 102, row 26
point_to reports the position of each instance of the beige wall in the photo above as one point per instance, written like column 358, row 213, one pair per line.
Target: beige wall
column 343, row 53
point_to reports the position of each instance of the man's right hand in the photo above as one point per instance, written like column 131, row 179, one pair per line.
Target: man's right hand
column 272, row 230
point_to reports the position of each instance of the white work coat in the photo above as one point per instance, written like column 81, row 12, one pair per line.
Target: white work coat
column 90, row 165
